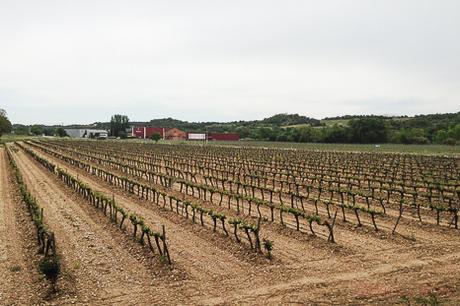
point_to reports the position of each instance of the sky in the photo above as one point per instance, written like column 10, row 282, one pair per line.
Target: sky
column 64, row 62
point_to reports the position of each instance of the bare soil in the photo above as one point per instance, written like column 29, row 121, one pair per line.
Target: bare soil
column 20, row 283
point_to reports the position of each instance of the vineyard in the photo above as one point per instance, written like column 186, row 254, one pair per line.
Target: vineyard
column 139, row 223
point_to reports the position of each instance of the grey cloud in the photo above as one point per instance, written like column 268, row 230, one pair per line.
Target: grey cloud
column 227, row 60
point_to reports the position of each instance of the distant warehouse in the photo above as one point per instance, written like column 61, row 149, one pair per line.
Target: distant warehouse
column 87, row 133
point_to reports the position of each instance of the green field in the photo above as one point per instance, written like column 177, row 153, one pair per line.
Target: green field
column 11, row 138
column 296, row 126
column 341, row 122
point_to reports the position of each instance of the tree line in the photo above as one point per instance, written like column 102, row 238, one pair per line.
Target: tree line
column 422, row 129
column 364, row 130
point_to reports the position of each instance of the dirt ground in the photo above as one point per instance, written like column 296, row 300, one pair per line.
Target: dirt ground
column 20, row 282
column 103, row 266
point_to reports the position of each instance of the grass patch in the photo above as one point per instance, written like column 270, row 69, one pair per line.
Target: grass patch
column 340, row 122
column 12, row 138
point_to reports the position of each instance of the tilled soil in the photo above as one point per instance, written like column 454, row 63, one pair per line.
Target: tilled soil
column 20, row 282
column 97, row 265
column 208, row 268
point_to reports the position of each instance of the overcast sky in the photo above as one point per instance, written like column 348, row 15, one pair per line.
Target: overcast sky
column 223, row 60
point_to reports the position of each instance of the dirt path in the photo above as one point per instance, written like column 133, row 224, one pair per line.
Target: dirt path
column 371, row 282
column 364, row 269
column 21, row 282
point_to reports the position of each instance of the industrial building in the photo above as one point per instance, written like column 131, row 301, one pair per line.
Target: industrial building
column 87, row 133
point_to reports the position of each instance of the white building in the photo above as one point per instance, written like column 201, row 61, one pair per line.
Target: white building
column 87, row 133
column 196, row 136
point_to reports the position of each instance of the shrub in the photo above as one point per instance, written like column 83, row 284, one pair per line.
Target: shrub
column 449, row 141
column 155, row 137
column 268, row 245
column 50, row 267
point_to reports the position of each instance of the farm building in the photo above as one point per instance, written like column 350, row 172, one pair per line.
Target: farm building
column 196, row 136
column 175, row 134
column 146, row 132
column 87, row 133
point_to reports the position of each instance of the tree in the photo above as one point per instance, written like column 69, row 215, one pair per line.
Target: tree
column 36, row 130
column 440, row 136
column 336, row 134
column 263, row 133
column 61, row 132
column 122, row 134
column 368, row 130
column 48, row 131
column 309, row 134
column 243, row 131
column 20, row 129
column 155, row 137
column 454, row 132
column 118, row 123
column 5, row 124
column 412, row 136
column 293, row 134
